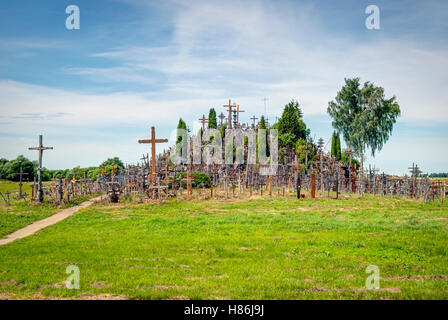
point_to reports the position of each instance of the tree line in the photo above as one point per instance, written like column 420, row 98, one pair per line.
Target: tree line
column 9, row 170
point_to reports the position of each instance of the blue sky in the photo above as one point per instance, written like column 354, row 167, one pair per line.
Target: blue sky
column 133, row 64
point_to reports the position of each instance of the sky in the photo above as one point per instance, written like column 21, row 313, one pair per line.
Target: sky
column 94, row 92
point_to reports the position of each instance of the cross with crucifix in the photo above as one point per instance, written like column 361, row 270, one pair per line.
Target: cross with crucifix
column 230, row 106
column 21, row 174
column 204, row 120
column 41, row 149
column 153, row 142
column 221, row 117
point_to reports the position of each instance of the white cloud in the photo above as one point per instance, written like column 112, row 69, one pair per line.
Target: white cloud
column 238, row 50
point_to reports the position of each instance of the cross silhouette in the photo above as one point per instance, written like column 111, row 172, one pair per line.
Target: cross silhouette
column 153, row 142
column 254, row 119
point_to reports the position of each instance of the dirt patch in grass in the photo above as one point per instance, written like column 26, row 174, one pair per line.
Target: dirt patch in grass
column 99, row 285
column 10, row 282
column 101, row 296
column 166, row 287
column 178, row 298
column 418, row 277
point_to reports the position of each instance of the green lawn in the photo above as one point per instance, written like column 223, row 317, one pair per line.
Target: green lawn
column 276, row 248
column 21, row 213
column 11, row 186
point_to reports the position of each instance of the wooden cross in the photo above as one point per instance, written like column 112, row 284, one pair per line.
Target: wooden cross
column 254, row 119
column 153, row 142
column 21, row 174
column 230, row 113
column 204, row 120
column 238, row 114
column 41, row 149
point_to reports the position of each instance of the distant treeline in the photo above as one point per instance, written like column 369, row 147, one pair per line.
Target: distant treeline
column 435, row 175
column 10, row 168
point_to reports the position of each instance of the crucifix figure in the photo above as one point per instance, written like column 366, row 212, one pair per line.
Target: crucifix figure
column 21, row 174
column 204, row 120
column 41, row 149
column 153, row 142
column 221, row 117
column 230, row 113
column 253, row 119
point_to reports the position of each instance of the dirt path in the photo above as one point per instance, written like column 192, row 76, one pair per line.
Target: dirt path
column 39, row 225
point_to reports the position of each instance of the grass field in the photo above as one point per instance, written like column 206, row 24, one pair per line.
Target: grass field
column 259, row 249
column 14, row 187
column 22, row 213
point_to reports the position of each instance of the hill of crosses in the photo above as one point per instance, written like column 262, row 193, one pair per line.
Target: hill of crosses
column 229, row 159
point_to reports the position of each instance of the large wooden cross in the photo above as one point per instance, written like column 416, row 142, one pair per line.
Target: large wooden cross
column 41, row 149
column 204, row 120
column 238, row 114
column 230, row 113
column 153, row 142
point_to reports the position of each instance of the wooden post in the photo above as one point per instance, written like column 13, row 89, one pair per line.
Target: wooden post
column 41, row 149
column 270, row 185
column 313, row 185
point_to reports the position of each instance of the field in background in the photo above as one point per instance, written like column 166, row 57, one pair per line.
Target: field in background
column 259, row 249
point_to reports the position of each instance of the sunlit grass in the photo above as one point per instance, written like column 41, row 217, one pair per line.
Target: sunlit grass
column 278, row 248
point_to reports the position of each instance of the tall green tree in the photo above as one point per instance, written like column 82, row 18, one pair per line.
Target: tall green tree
column 333, row 144
column 363, row 115
column 14, row 167
column 338, row 152
column 291, row 126
column 212, row 123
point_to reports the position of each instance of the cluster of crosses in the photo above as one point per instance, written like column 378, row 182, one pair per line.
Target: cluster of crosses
column 157, row 176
